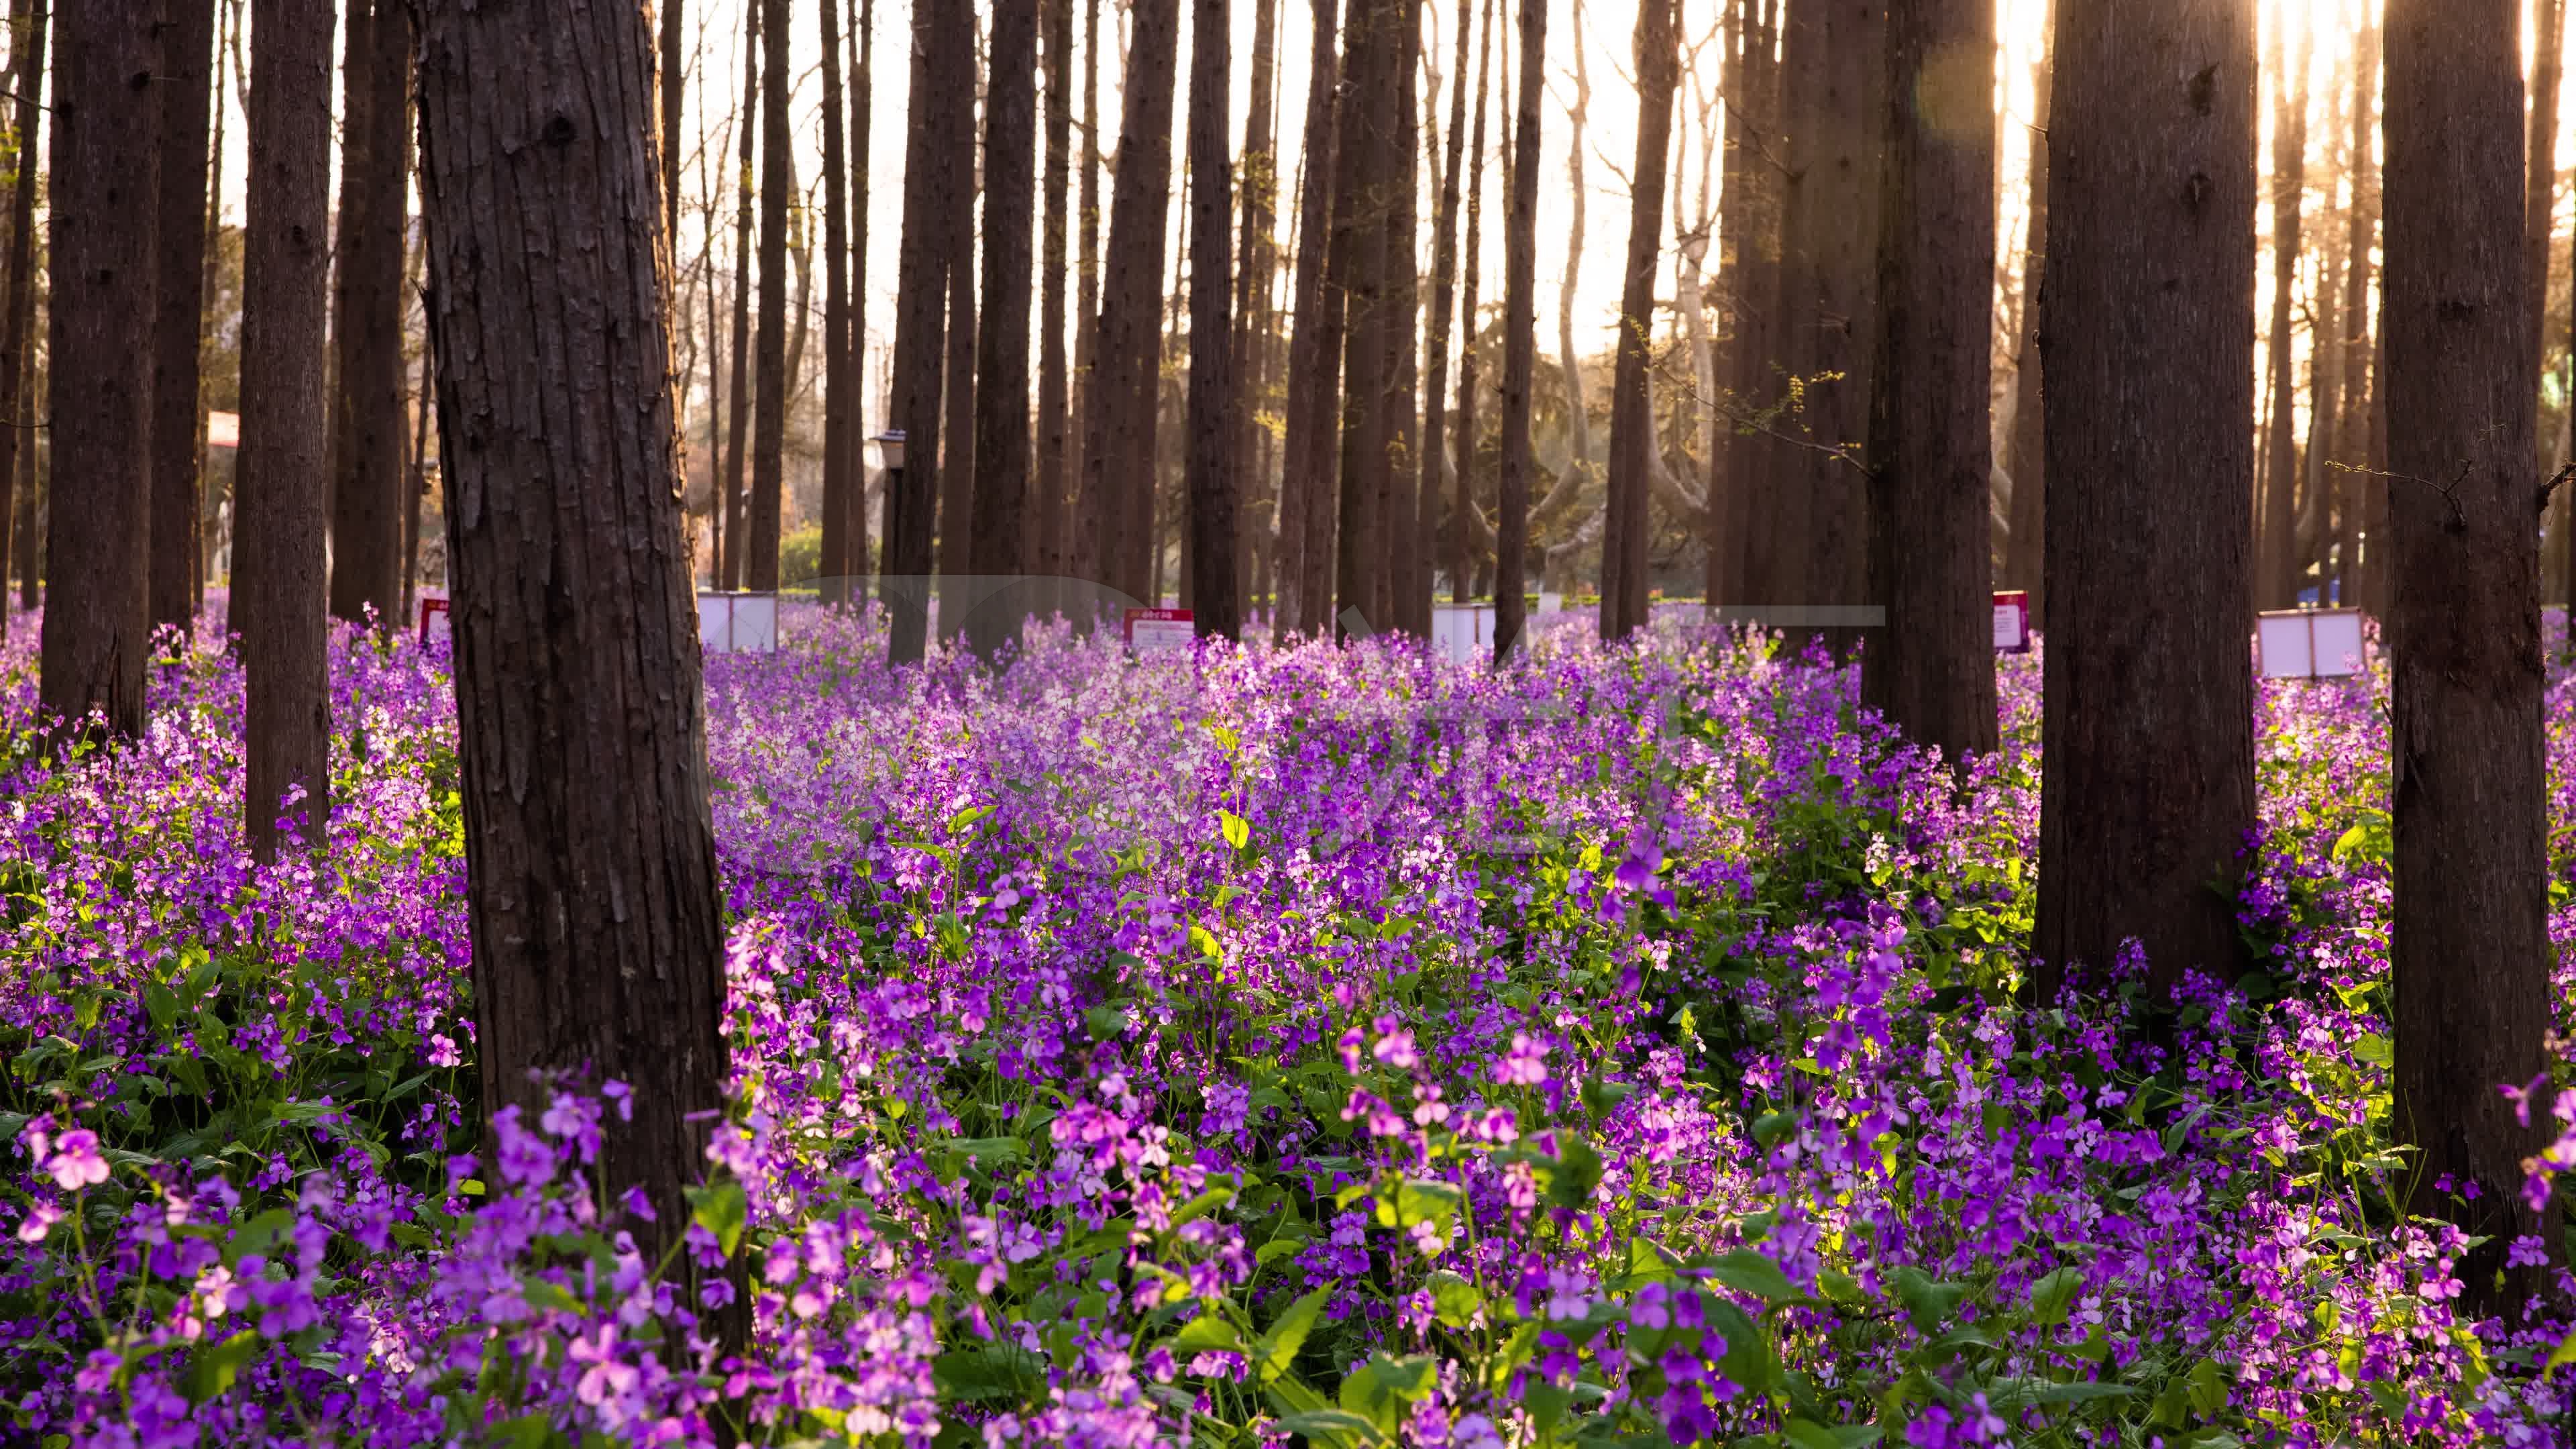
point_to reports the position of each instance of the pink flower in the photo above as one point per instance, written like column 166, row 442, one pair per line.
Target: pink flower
column 39, row 1221
column 77, row 1163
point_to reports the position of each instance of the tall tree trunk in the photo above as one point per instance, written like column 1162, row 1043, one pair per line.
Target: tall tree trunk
column 2540, row 175
column 1570, row 484
column 1750, row 236
column 957, row 438
column 1079, row 548
column 1931, row 671
column 211, row 257
column 1462, row 515
column 178, row 310
column 937, row 173
column 1402, row 580
column 2469, row 949
column 769, row 404
column 27, row 27
column 2145, row 331
column 2325, row 386
column 1632, row 407
column 738, row 418
column 415, row 458
column 104, row 178
column 1307, row 464
column 1364, row 173
column 367, row 482
column 1256, row 262
column 280, row 487
column 1000, row 532
column 2366, row 538
column 863, row 67
column 2025, row 547
column 2276, row 580
column 1046, row 505
column 674, row 90
column 1213, row 462
column 1118, row 455
column 1520, row 341
column 590, row 853
column 840, row 356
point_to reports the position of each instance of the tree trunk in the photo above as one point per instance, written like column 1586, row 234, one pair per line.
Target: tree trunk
column 2145, row 331
column 2325, row 387
column 2469, row 949
column 2366, row 534
column 769, row 402
column 840, row 359
column 1462, row 557
column 279, row 601
column 2277, row 580
column 1931, row 671
column 937, row 173
column 2540, row 173
column 1364, row 173
column 1002, row 347
column 1257, row 262
column 590, row 853
column 1405, row 585
column 1750, row 237
column 2025, row 547
column 104, row 178
column 957, row 437
column 1054, row 424
column 1076, row 546
column 1632, row 409
column 17, row 297
column 1307, row 465
column 367, row 482
column 178, row 310
column 1520, row 341
column 738, row 419
column 1118, row 457
column 673, row 78
column 855, row 467
column 1213, row 461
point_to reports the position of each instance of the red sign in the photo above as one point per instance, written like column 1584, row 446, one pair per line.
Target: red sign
column 433, row 619
column 2012, row 622
column 1153, row 630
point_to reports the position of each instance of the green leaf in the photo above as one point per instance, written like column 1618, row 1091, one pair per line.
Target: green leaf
column 1927, row 1302
column 2208, row 1388
column 1808, row 1434
column 2053, row 1297
column 2012, row 1393
column 212, row 1369
column 1277, row 1349
column 1419, row 1200
column 1456, row 1301
column 2374, row 1049
column 2565, row 1353
column 1749, row 1272
column 1205, row 1203
column 1772, row 1127
column 722, row 1210
column 1206, row 1332
column 1237, row 830
column 1106, row 1021
column 1331, row 1426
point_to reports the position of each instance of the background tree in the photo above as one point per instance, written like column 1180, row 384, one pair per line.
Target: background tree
column 731, row 533
column 1633, row 444
column 2276, row 547
column 957, row 428
column 2540, row 173
column 104, row 178
column 18, row 298
column 1520, row 323
column 840, row 353
column 1214, row 595
column 2148, row 784
column 1257, row 263
column 1306, row 464
column 1364, row 177
column 590, row 851
column 368, row 412
column 1054, row 422
column 1465, row 521
column 1931, row 671
column 2025, row 547
column 769, row 404
column 1000, row 532
column 939, row 142
column 179, row 285
column 2469, row 947
column 281, row 484
column 1749, row 264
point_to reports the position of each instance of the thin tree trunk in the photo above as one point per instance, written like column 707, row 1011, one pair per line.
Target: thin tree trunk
column 2469, row 949
column 1931, row 671
column 1520, row 342
column 769, row 403
column 1402, row 579
column 855, row 526
column 1307, row 464
column 738, row 420
column 1076, row 546
column 674, row 90
column 1000, row 532
column 957, row 440
column 1046, row 506
column 1257, row 261
column 1632, row 408
column 717, row 393
column 590, row 853
column 1462, row 557
column 2317, row 481
column 2276, row 581
column 203, row 524
column 938, row 167
column 367, row 486
column 1213, row 461
column 1571, row 483
column 103, row 178
column 2353, row 447
column 416, row 472
column 2025, row 547
column 178, row 310
column 26, row 81
column 1119, row 456
column 2540, row 175
column 840, row 360
column 2145, row 331
column 1365, row 172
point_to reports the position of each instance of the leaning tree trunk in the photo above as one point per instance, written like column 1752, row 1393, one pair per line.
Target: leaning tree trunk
column 840, row 362
column 999, row 529
column 2024, row 547
column 1212, row 457
column 2145, row 331
column 938, row 166
column 1520, row 338
column 104, row 178
column 596, row 921
column 179, row 309
column 2470, row 951
column 769, row 404
column 1632, row 408
column 280, row 484
column 367, row 482
column 17, row 299
column 1931, row 670
column 2276, row 574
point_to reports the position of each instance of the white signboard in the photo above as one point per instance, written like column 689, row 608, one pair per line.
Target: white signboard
column 433, row 616
column 2310, row 643
column 732, row 623
column 1156, row 631
column 1463, row 633
column 2012, row 622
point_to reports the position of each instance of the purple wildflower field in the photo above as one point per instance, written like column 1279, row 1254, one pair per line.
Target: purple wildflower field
column 1287, row 1045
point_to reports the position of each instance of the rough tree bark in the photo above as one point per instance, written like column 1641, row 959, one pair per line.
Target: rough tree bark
column 1632, row 408
column 280, row 483
column 1256, row 263
column 1463, row 516
column 104, row 178
column 1306, row 462
column 590, row 852
column 178, row 310
column 1046, row 503
column 1002, row 346
column 2276, row 573
column 1404, row 586
column 863, row 107
column 1078, row 552
column 1931, row 671
column 938, row 163
column 2025, row 548
column 2540, row 171
column 769, row 403
column 17, row 299
column 738, row 414
column 674, row 82
column 2148, row 785
column 1520, row 341
column 1361, row 176
column 2352, row 411
column 1213, row 463
column 957, row 431
column 840, row 357
column 367, row 471
column 1749, row 239
column 2470, row 952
